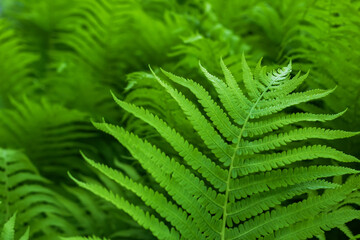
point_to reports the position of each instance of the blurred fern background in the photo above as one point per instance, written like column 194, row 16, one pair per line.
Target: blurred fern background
column 59, row 59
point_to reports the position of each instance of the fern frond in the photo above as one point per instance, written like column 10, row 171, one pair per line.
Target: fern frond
column 24, row 191
column 203, row 127
column 143, row 91
column 267, row 162
column 246, row 186
column 316, row 225
column 315, row 43
column 47, row 132
column 232, row 97
column 84, row 238
column 241, row 181
column 8, row 231
column 276, row 140
column 191, row 155
column 146, row 152
column 216, row 114
column 266, row 107
column 276, row 122
column 15, row 68
column 154, row 199
column 144, row 218
column 257, row 203
column 263, row 224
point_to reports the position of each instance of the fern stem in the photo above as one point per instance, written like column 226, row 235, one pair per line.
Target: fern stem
column 223, row 228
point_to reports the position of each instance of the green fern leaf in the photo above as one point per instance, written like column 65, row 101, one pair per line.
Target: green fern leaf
column 28, row 126
column 24, row 191
column 245, row 180
column 15, row 68
column 8, row 231
column 84, row 238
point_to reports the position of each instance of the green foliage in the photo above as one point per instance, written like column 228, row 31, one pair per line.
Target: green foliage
column 8, row 232
column 24, row 191
column 15, row 77
column 84, row 238
column 49, row 133
column 241, row 190
column 60, row 60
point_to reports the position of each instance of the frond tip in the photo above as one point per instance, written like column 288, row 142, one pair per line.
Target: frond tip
column 245, row 180
column 8, row 231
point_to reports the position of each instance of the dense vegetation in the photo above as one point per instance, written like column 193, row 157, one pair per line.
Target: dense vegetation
column 155, row 119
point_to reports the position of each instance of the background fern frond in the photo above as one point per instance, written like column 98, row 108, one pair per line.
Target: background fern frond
column 16, row 72
column 30, row 126
column 84, row 238
column 8, row 231
column 24, row 191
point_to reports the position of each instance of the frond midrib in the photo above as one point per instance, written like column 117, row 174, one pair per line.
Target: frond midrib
column 223, row 232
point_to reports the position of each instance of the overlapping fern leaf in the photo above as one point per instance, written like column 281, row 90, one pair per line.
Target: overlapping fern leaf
column 143, row 91
column 248, row 178
column 25, row 192
column 8, row 231
column 46, row 132
column 15, row 69
column 84, row 238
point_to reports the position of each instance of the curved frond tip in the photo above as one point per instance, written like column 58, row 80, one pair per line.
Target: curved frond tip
column 245, row 179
